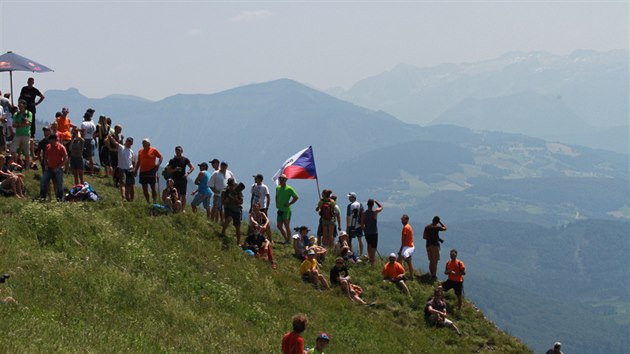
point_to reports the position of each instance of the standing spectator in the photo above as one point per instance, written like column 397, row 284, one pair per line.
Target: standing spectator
column 170, row 197
column 326, row 209
column 292, row 342
column 125, row 171
column 22, row 125
column 64, row 127
column 148, row 169
column 76, row 156
column 87, row 132
column 406, row 244
column 203, row 193
column 455, row 270
column 339, row 276
column 555, row 349
column 369, row 226
column 432, row 236
column 113, row 140
column 232, row 200
column 177, row 168
column 30, row 94
column 285, row 197
column 354, row 213
column 40, row 152
column 320, row 344
column 260, row 194
column 102, row 131
column 395, row 273
column 55, row 160
column 218, row 183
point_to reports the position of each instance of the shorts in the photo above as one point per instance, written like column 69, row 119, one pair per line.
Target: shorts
column 284, row 215
column 327, row 222
column 407, row 252
column 216, row 201
column 455, row 285
column 125, row 177
column 76, row 162
column 236, row 215
column 88, row 148
column 433, row 252
column 355, row 232
column 201, row 198
column 21, row 143
column 147, row 177
column 372, row 240
column 181, row 184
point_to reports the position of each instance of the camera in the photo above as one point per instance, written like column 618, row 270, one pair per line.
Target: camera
column 4, row 277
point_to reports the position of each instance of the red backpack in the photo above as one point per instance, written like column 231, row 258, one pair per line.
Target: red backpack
column 326, row 210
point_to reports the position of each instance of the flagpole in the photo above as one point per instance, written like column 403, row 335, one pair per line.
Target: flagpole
column 319, row 194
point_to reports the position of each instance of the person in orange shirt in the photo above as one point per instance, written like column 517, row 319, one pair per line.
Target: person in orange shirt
column 148, row 168
column 406, row 244
column 455, row 269
column 394, row 272
column 64, row 131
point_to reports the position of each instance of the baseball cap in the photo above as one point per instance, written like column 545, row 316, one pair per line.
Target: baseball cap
column 214, row 161
column 392, row 255
column 224, row 163
column 343, row 233
column 260, row 176
column 352, row 194
column 203, row 165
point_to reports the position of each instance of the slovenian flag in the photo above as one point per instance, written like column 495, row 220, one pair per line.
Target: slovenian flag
column 299, row 166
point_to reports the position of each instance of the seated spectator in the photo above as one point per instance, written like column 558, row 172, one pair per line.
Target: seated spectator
column 310, row 271
column 292, row 342
column 170, row 196
column 393, row 271
column 11, row 181
column 257, row 243
column 339, row 276
column 258, row 217
column 320, row 343
column 435, row 311
column 342, row 248
column 301, row 242
column 320, row 251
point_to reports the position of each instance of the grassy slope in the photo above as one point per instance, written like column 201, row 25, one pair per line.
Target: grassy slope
column 107, row 277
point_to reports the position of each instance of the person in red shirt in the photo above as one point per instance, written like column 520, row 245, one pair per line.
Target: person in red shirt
column 394, row 272
column 455, row 269
column 292, row 342
column 55, row 159
column 148, row 168
column 406, row 244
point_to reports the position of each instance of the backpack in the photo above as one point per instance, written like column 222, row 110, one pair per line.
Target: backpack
column 326, row 210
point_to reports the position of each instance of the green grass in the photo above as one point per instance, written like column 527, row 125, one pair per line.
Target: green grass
column 106, row 277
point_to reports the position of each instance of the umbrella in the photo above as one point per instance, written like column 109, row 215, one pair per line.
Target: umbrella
column 11, row 62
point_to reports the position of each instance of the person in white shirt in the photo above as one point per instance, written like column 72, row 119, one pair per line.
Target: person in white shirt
column 218, row 183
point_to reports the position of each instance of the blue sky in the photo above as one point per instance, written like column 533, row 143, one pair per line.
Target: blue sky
column 155, row 49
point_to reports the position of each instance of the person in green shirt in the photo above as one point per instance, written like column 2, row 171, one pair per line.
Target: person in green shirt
column 22, row 124
column 285, row 197
column 322, row 341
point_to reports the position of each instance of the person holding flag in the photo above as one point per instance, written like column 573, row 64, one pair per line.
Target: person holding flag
column 299, row 166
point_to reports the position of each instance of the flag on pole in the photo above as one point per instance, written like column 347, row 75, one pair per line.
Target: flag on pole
column 299, row 166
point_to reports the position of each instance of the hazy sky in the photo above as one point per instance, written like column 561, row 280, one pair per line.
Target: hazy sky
column 155, row 49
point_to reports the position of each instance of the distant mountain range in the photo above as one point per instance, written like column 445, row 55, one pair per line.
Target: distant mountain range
column 572, row 99
column 463, row 175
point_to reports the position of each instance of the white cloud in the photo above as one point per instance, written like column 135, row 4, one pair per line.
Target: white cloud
column 247, row 16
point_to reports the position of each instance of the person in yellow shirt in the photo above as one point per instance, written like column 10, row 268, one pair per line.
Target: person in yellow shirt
column 309, row 269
